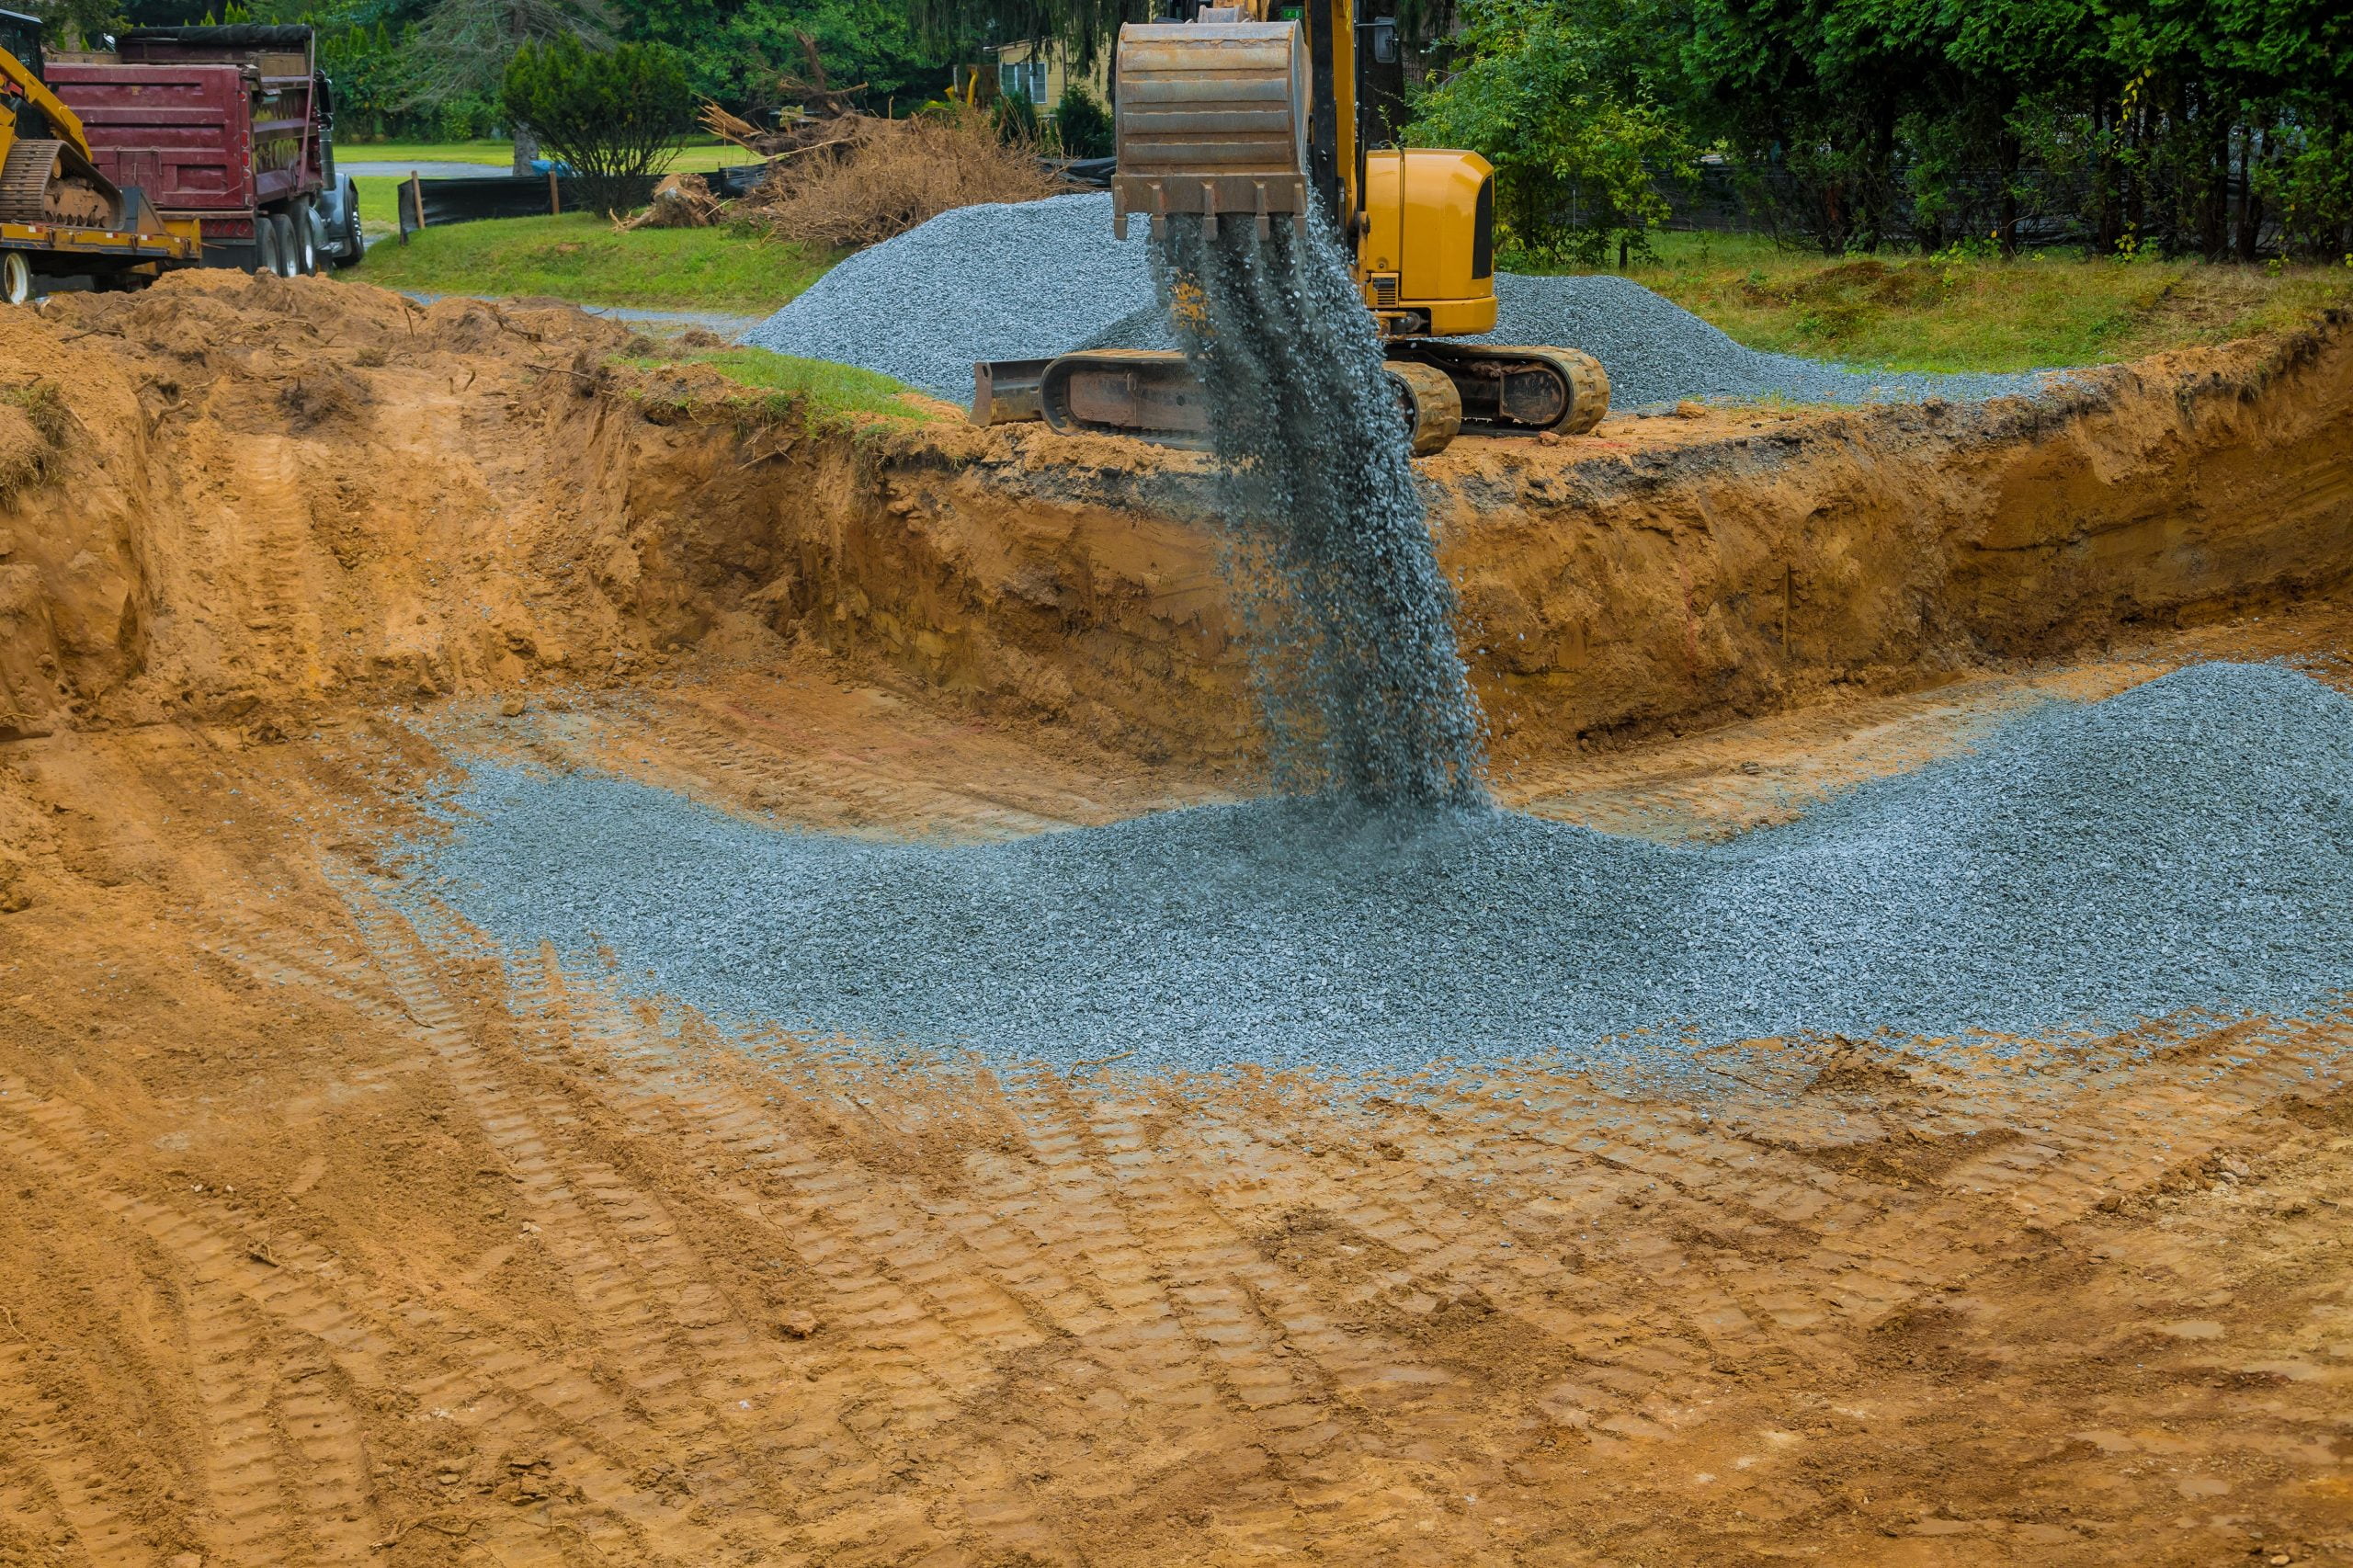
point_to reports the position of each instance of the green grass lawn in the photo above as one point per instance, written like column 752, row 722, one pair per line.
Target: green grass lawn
column 584, row 258
column 1914, row 313
column 819, row 391
column 1905, row 313
column 692, row 155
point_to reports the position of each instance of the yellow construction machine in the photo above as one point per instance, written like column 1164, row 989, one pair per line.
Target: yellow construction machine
column 58, row 213
column 1231, row 116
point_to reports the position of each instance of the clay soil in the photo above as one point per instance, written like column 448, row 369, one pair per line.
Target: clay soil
column 328, row 1233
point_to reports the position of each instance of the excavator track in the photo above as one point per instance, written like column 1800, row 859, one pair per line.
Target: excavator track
column 1515, row 390
column 1153, row 394
column 49, row 182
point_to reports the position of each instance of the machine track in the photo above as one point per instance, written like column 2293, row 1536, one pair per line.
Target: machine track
column 48, row 182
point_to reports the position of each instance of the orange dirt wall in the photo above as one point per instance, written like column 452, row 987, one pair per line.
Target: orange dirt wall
column 1662, row 574
column 272, row 493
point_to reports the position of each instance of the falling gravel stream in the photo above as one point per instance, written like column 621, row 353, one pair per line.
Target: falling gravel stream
column 1347, row 620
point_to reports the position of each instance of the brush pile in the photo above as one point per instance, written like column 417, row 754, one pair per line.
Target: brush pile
column 882, row 178
column 842, row 178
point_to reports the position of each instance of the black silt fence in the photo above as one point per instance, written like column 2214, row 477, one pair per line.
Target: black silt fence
column 431, row 203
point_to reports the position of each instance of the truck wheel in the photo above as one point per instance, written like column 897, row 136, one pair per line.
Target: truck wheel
column 308, row 240
column 319, row 246
column 16, row 277
column 265, row 244
column 289, row 257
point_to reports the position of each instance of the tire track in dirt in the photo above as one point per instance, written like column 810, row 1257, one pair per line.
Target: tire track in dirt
column 618, row 1254
column 901, row 1287
column 512, row 1398
column 72, row 1471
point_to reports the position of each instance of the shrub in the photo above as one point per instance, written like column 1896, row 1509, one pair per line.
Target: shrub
column 614, row 115
column 1083, row 123
column 1015, row 118
column 464, row 117
column 2313, row 189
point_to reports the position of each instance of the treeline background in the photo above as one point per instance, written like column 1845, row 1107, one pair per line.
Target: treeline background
column 2221, row 129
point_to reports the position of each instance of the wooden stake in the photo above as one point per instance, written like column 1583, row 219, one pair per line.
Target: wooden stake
column 416, row 200
column 555, row 197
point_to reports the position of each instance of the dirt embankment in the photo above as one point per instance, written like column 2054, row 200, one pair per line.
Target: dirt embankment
column 262, row 492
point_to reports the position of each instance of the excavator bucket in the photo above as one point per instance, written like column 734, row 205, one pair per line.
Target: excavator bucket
column 1212, row 121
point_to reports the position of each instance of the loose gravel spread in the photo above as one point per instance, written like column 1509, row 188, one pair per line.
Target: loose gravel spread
column 2185, row 844
column 1044, row 278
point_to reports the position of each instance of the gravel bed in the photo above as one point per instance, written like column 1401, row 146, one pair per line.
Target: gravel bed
column 1041, row 278
column 2185, row 844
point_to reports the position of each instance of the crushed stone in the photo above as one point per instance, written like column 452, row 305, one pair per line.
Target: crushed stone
column 1348, row 620
column 998, row 281
column 1042, row 278
column 2187, row 845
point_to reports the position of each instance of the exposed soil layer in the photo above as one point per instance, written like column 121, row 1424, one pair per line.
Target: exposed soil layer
column 326, row 1236
column 273, row 492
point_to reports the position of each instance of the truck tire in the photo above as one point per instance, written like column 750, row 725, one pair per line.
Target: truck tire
column 308, row 239
column 354, row 244
column 289, row 257
column 320, row 245
column 265, row 244
column 16, row 277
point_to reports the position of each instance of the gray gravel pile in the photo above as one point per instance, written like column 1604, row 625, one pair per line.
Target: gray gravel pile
column 1042, row 278
column 1327, row 558
column 2188, row 843
column 1016, row 281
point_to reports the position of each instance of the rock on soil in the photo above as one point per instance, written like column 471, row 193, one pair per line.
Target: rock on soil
column 1041, row 278
column 2185, row 844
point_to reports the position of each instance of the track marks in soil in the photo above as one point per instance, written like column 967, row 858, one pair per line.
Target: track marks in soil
column 1141, row 1319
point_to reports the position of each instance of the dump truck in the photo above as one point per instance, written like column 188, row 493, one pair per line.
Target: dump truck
column 231, row 125
column 1229, row 116
column 60, row 215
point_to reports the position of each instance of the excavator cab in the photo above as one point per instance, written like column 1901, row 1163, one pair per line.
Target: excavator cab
column 1233, row 116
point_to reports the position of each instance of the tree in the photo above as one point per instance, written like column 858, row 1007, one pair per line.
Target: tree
column 1082, row 124
column 740, row 52
column 78, row 24
column 464, row 47
column 612, row 114
column 1576, row 139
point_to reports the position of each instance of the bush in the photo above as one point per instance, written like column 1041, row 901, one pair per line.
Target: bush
column 895, row 174
column 2313, row 189
column 464, row 117
column 1015, row 118
column 1082, row 124
column 613, row 115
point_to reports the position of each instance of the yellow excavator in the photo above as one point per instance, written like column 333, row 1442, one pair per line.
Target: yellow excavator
column 1232, row 116
column 58, row 213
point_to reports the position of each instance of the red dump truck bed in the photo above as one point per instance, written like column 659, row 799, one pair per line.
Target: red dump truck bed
column 227, row 125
